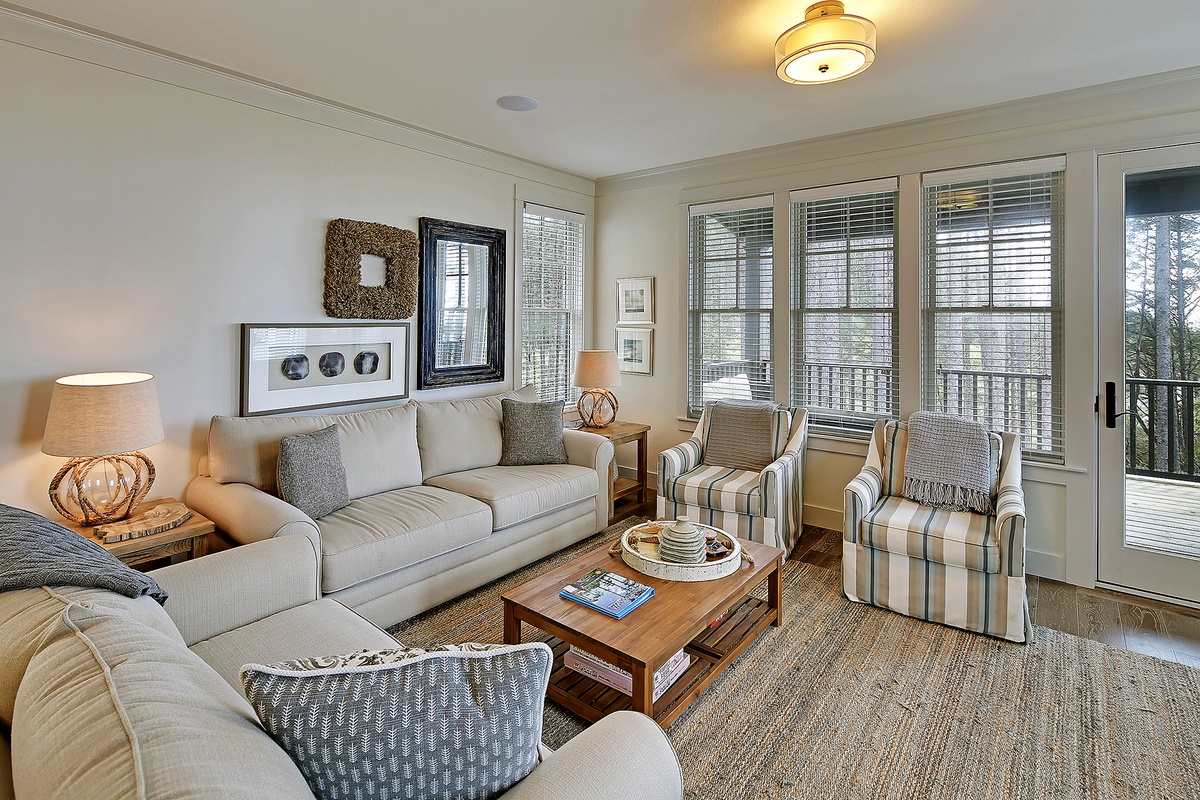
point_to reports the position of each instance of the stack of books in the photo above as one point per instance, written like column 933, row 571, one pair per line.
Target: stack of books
column 608, row 592
column 610, row 675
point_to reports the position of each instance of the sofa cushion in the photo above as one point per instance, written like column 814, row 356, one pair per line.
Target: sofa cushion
column 531, row 433
column 454, row 435
column 516, row 494
column 388, row 531
column 379, row 448
column 30, row 619
column 464, row 721
column 311, row 475
column 117, row 709
column 322, row 626
column 735, row 490
column 745, row 434
column 953, row 538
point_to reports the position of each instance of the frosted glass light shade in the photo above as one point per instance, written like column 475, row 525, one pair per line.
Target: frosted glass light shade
column 828, row 46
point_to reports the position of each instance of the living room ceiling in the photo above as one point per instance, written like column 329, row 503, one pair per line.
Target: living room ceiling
column 628, row 85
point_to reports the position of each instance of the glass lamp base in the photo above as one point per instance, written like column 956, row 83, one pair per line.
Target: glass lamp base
column 597, row 408
column 101, row 489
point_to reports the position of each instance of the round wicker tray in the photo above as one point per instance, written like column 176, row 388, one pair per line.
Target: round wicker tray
column 644, row 557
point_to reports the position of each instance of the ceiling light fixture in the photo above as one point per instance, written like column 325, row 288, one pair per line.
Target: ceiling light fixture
column 828, row 46
column 517, row 102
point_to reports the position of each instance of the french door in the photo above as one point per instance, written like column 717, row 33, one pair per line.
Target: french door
column 1149, row 372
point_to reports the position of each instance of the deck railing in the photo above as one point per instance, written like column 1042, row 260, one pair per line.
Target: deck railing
column 1162, row 427
column 1020, row 402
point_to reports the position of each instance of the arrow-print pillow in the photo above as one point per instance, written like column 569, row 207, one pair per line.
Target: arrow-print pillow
column 464, row 721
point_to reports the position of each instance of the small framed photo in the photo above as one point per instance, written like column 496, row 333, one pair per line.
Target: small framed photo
column 635, row 350
column 635, row 300
column 296, row 367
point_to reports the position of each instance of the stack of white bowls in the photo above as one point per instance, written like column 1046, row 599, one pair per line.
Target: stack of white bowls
column 681, row 542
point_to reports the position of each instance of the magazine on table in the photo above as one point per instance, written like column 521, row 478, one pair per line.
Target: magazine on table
column 608, row 592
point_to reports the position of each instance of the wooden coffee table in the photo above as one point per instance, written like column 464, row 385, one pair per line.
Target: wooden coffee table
column 677, row 617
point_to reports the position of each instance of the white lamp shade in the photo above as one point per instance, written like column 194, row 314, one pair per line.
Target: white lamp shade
column 101, row 414
column 827, row 46
column 596, row 368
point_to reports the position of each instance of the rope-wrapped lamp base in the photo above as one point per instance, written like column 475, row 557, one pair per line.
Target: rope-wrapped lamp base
column 101, row 489
column 597, row 408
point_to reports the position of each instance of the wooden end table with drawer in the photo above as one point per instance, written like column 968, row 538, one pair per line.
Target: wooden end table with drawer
column 678, row 616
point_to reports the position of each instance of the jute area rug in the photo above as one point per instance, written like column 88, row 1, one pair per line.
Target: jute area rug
column 849, row 701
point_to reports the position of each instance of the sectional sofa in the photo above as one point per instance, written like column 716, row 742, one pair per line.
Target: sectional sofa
column 432, row 514
column 103, row 696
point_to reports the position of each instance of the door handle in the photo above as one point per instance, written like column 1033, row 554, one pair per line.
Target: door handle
column 1110, row 405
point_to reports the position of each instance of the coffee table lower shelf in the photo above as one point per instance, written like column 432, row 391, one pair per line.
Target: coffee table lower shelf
column 712, row 651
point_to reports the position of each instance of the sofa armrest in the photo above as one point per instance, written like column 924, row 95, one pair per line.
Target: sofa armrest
column 249, row 514
column 232, row 588
column 1010, row 509
column 782, row 481
column 624, row 755
column 865, row 489
column 675, row 461
column 595, row 452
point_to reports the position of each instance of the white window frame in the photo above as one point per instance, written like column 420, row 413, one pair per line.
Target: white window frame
column 1047, row 441
column 760, row 384
column 838, row 384
column 580, row 335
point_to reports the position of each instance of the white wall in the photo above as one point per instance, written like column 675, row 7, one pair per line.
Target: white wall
column 641, row 230
column 144, row 216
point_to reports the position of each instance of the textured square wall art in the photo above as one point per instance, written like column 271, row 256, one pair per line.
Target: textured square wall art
column 346, row 241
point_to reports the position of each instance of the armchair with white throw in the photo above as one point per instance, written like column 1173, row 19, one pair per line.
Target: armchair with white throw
column 742, row 471
column 964, row 568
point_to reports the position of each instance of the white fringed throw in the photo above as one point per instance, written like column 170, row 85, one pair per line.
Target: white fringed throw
column 948, row 463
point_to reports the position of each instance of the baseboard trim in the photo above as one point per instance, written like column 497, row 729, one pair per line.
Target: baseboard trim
column 823, row 517
column 1045, row 565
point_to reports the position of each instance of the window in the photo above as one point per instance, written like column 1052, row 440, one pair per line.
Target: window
column 552, row 243
column 992, row 298
column 730, row 259
column 844, row 322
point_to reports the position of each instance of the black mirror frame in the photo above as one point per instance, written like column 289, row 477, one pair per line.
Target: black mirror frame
column 429, row 375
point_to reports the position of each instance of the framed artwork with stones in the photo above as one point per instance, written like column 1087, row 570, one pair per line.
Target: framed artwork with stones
column 346, row 296
column 317, row 365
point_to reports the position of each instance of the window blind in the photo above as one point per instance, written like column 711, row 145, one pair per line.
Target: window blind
column 552, row 243
column 992, row 299
column 844, row 317
column 730, row 263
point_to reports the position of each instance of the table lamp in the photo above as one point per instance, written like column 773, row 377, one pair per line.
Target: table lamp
column 100, row 421
column 593, row 369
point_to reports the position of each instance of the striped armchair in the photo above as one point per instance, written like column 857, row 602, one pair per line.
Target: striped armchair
column 766, row 506
column 954, row 567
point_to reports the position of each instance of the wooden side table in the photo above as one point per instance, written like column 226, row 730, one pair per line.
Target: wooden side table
column 638, row 490
column 189, row 540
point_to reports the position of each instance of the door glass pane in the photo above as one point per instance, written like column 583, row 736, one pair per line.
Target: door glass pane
column 1162, row 361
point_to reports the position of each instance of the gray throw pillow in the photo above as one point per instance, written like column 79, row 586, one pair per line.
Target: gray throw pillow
column 744, row 434
column 532, row 433
column 311, row 474
column 464, row 721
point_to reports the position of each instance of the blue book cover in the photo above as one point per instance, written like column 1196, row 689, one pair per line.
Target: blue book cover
column 606, row 592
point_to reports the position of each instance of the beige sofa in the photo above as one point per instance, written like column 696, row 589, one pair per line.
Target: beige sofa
column 431, row 514
column 104, row 697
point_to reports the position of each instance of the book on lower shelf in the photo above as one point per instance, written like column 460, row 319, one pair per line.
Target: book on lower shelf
column 614, row 677
column 608, row 592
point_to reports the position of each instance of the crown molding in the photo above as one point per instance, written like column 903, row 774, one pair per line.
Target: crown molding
column 29, row 28
column 1165, row 94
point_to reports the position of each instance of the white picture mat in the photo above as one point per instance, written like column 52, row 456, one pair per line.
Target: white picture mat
column 264, row 345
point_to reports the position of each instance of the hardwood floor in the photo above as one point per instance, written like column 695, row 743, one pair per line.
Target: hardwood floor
column 1169, row 632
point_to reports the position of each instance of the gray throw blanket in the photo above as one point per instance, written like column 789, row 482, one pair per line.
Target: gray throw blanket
column 948, row 463
column 741, row 434
column 37, row 552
